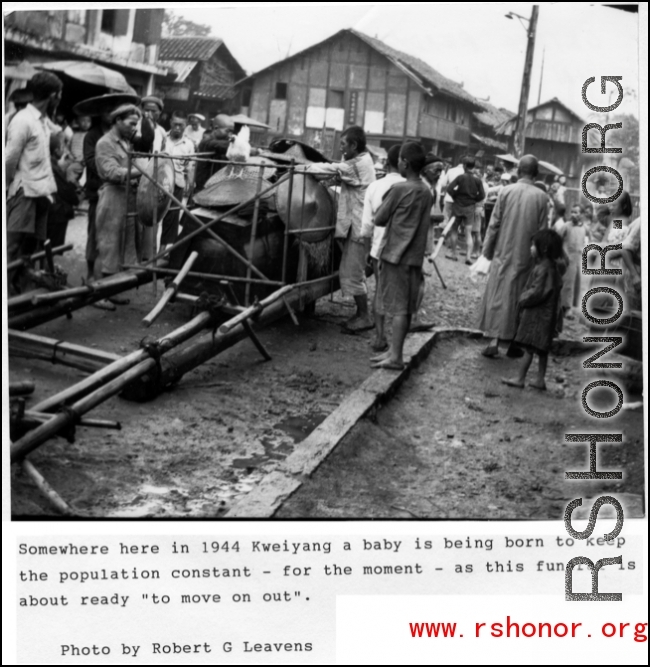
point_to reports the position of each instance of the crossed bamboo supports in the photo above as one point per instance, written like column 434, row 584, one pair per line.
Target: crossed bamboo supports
column 118, row 373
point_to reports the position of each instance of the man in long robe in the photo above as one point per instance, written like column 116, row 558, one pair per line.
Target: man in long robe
column 520, row 211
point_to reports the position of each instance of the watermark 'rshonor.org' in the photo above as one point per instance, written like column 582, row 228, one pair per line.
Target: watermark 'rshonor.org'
column 594, row 438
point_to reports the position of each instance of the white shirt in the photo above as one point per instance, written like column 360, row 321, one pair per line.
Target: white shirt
column 446, row 179
column 182, row 146
column 372, row 201
column 194, row 135
column 27, row 154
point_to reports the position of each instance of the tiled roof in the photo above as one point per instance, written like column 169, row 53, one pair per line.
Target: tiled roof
column 183, row 68
column 218, row 91
column 424, row 75
column 419, row 68
column 189, row 48
column 491, row 143
column 492, row 116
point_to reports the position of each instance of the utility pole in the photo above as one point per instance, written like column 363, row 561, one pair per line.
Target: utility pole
column 520, row 130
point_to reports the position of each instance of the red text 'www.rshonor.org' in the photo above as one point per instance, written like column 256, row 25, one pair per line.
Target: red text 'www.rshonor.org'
column 636, row 631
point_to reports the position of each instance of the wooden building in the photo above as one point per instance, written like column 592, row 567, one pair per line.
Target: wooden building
column 124, row 40
column 553, row 134
column 485, row 144
column 353, row 79
column 205, row 73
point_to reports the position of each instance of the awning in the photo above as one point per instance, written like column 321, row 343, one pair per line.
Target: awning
column 489, row 142
column 90, row 72
column 182, row 68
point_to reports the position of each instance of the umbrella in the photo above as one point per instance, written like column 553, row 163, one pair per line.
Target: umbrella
column 508, row 158
column 548, row 168
column 544, row 167
column 95, row 106
column 23, row 71
column 241, row 119
column 92, row 73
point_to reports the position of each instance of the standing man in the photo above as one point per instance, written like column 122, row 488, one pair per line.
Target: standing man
column 21, row 97
column 216, row 142
column 152, row 108
column 354, row 173
column 374, row 196
column 445, row 181
column 116, row 232
column 194, row 131
column 178, row 144
column 466, row 190
column 29, row 173
column 520, row 211
column 405, row 212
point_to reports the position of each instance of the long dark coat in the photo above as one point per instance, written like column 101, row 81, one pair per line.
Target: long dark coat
column 520, row 211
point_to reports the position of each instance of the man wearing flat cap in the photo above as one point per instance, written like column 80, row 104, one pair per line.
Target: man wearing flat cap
column 117, row 234
column 195, row 130
column 100, row 108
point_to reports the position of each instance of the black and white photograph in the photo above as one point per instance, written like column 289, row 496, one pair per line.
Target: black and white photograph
column 322, row 262
column 323, row 333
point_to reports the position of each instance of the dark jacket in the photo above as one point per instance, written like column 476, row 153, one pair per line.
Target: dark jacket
column 466, row 189
column 143, row 143
column 218, row 146
column 539, row 307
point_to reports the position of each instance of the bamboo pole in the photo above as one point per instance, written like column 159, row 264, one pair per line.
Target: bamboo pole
column 56, row 349
column 310, row 230
column 205, row 346
column 208, row 276
column 33, row 439
column 45, row 313
column 23, row 300
column 24, row 388
column 256, row 213
column 253, row 310
column 285, row 248
column 174, row 367
column 171, row 291
column 59, row 250
column 122, row 364
column 43, row 486
column 206, row 227
column 90, row 423
column 154, row 229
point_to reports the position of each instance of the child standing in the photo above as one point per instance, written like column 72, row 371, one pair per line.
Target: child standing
column 539, row 307
column 405, row 212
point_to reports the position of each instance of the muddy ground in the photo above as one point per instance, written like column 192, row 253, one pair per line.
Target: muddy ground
column 453, row 443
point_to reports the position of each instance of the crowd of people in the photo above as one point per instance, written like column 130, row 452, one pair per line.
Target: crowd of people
column 516, row 222
column 54, row 162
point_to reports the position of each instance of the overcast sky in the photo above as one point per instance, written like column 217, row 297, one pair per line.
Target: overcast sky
column 472, row 43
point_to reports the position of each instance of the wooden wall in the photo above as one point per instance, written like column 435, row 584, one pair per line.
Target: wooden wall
column 340, row 83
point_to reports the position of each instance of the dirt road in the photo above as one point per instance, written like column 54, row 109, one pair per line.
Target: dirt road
column 453, row 443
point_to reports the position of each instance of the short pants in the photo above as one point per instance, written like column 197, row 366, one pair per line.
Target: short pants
column 400, row 285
